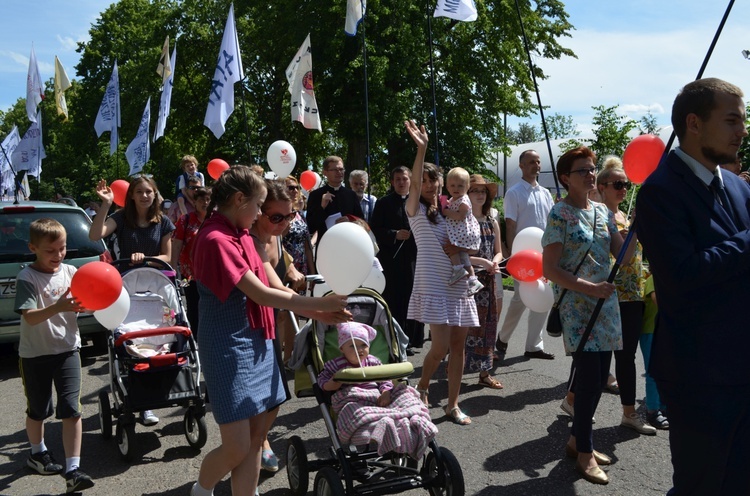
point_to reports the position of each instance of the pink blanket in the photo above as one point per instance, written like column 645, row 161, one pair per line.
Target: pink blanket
column 404, row 426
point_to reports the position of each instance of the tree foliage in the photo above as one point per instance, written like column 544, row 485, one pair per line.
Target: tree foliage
column 610, row 133
column 480, row 74
column 561, row 126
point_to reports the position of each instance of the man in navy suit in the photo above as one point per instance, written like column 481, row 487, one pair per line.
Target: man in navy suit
column 693, row 222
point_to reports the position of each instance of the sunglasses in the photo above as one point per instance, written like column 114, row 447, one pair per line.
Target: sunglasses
column 147, row 176
column 478, row 191
column 292, row 188
column 618, row 185
column 193, row 188
column 279, row 218
column 583, row 172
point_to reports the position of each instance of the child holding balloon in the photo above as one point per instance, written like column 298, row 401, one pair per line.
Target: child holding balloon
column 463, row 228
column 49, row 351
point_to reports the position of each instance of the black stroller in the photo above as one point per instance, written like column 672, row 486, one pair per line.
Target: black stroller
column 153, row 358
column 360, row 470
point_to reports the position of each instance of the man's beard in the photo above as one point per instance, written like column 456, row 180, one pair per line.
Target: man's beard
column 718, row 157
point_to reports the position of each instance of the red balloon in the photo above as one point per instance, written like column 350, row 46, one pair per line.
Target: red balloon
column 216, row 167
column 120, row 191
column 525, row 266
column 96, row 285
column 307, row 180
column 641, row 157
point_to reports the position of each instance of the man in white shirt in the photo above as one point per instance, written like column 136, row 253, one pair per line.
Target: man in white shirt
column 527, row 204
column 358, row 182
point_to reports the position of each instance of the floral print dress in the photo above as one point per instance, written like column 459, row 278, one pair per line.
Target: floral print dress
column 295, row 241
column 574, row 228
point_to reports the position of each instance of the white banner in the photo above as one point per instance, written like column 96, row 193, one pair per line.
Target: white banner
column 300, row 77
column 139, row 150
column 228, row 72
column 29, row 153
column 166, row 99
column 9, row 144
column 34, row 88
column 108, row 118
column 355, row 11
column 460, row 10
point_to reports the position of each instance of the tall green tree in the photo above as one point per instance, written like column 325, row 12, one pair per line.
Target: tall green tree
column 610, row 133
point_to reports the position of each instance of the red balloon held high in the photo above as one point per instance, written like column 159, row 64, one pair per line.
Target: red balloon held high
column 641, row 157
column 216, row 167
column 307, row 180
column 119, row 191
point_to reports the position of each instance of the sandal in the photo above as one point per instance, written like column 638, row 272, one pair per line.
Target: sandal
column 457, row 416
column 423, row 396
column 490, row 382
column 613, row 387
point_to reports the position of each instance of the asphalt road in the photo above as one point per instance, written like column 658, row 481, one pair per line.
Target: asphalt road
column 513, row 447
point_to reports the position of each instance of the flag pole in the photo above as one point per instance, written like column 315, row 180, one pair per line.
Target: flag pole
column 247, row 128
column 432, row 87
column 538, row 99
column 367, row 97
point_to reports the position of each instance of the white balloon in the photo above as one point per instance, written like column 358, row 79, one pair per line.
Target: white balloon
column 281, row 158
column 345, row 255
column 320, row 289
column 113, row 315
column 528, row 239
column 537, row 295
column 375, row 280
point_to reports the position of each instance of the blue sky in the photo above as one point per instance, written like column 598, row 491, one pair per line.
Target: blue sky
column 632, row 53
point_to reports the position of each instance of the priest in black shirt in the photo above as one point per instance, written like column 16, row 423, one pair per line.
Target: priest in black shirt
column 330, row 199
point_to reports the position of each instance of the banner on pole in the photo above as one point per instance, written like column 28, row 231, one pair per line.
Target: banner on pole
column 300, row 77
column 108, row 118
column 228, row 72
column 460, row 10
column 355, row 11
column 164, row 69
column 29, row 153
column 34, row 88
column 62, row 83
column 165, row 101
column 139, row 150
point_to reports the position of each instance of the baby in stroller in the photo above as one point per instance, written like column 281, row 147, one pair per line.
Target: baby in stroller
column 393, row 417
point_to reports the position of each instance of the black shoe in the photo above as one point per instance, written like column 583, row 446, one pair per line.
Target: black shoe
column 75, row 481
column 43, row 463
column 410, row 351
column 539, row 354
column 501, row 347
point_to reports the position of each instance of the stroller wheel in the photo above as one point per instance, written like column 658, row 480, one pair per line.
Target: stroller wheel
column 297, row 469
column 196, row 431
column 328, row 483
column 126, row 440
column 445, row 479
column 105, row 414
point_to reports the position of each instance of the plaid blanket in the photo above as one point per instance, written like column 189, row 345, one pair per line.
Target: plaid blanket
column 404, row 426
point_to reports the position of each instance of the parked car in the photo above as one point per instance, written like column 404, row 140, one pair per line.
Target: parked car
column 15, row 255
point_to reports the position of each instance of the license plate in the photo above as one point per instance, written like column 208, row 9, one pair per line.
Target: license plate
column 8, row 287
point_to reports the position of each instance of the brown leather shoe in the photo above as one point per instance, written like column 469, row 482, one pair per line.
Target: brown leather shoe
column 595, row 475
column 539, row 354
column 600, row 458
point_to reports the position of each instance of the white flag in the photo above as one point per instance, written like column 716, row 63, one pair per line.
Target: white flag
column 355, row 11
column 164, row 69
column 228, row 72
column 166, row 99
column 62, row 83
column 29, row 153
column 34, row 89
column 460, row 10
column 139, row 151
column 9, row 145
column 300, row 77
column 108, row 118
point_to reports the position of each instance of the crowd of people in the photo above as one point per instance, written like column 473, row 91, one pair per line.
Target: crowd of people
column 244, row 246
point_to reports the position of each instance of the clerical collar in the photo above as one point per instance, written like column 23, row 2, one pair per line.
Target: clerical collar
column 335, row 188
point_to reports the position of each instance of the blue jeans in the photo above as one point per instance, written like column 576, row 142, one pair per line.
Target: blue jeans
column 653, row 402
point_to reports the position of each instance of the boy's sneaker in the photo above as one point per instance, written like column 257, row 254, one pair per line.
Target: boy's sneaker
column 474, row 286
column 148, row 418
column 658, row 419
column 43, row 463
column 75, row 481
column 458, row 273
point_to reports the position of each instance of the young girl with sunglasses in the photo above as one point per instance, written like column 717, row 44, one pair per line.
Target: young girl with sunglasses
column 237, row 296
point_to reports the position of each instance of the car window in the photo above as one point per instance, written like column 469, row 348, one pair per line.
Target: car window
column 14, row 234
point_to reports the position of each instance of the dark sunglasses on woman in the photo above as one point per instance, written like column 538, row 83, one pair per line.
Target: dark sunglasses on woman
column 618, row 185
column 292, row 188
column 279, row 218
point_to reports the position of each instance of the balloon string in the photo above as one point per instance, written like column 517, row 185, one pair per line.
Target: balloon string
column 630, row 204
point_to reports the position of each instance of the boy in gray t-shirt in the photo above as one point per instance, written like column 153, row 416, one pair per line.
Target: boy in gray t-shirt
column 49, row 351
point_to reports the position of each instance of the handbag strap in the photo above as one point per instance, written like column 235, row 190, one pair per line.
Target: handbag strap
column 565, row 290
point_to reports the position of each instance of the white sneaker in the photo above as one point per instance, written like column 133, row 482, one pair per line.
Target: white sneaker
column 568, row 408
column 148, row 418
column 474, row 286
column 458, row 273
column 634, row 422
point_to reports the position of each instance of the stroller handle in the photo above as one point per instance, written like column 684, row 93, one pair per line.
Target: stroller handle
column 159, row 331
column 123, row 264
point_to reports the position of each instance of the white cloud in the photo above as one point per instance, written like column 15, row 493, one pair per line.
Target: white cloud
column 67, row 43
